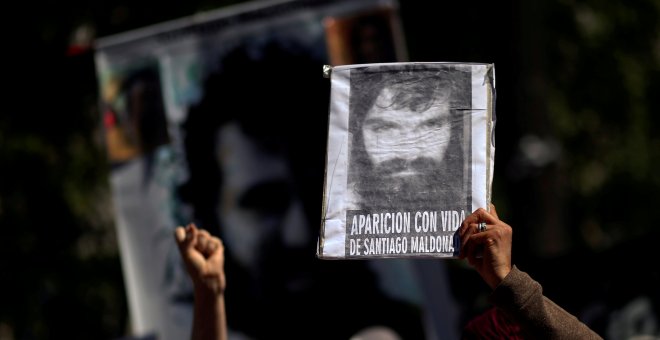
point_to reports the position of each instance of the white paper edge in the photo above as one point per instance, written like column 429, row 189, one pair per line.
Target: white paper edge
column 480, row 135
column 337, row 167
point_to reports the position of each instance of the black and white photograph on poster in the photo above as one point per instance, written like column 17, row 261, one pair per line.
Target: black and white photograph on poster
column 409, row 161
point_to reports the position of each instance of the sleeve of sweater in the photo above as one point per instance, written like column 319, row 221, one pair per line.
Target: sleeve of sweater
column 521, row 298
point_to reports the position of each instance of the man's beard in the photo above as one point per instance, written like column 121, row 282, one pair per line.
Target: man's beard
column 423, row 188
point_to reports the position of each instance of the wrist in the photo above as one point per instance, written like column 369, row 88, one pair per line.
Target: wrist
column 499, row 274
column 208, row 290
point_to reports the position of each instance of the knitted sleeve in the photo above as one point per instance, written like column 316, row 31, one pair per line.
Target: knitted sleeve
column 521, row 298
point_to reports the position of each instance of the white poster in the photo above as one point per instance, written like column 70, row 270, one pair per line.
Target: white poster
column 410, row 155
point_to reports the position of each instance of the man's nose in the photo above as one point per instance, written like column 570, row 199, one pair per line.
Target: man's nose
column 409, row 145
column 421, row 143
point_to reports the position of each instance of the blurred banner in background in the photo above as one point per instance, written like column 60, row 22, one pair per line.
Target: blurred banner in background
column 221, row 118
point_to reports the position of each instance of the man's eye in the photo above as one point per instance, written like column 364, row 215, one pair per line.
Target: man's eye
column 382, row 127
column 435, row 123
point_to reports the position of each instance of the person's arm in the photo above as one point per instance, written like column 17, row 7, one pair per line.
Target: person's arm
column 521, row 298
column 203, row 256
column 514, row 292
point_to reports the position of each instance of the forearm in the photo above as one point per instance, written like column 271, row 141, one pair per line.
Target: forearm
column 209, row 320
column 521, row 298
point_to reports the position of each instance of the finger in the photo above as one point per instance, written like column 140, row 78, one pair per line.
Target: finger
column 466, row 230
column 473, row 218
column 218, row 249
column 470, row 224
column 203, row 241
column 185, row 239
column 191, row 227
column 473, row 228
column 210, row 245
column 465, row 234
column 478, row 241
column 475, row 243
column 478, row 216
column 463, row 253
column 183, row 236
column 465, row 226
column 180, row 238
column 204, row 233
column 179, row 234
column 493, row 211
column 191, row 236
column 485, row 216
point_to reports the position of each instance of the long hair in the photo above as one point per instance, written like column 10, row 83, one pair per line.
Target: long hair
column 267, row 94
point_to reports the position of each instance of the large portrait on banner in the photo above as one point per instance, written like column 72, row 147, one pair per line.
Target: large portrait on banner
column 230, row 132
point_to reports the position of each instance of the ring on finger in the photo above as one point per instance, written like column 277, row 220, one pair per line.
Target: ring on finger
column 481, row 227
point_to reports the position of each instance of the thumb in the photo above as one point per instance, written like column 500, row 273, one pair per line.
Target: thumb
column 179, row 235
column 493, row 211
column 185, row 237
